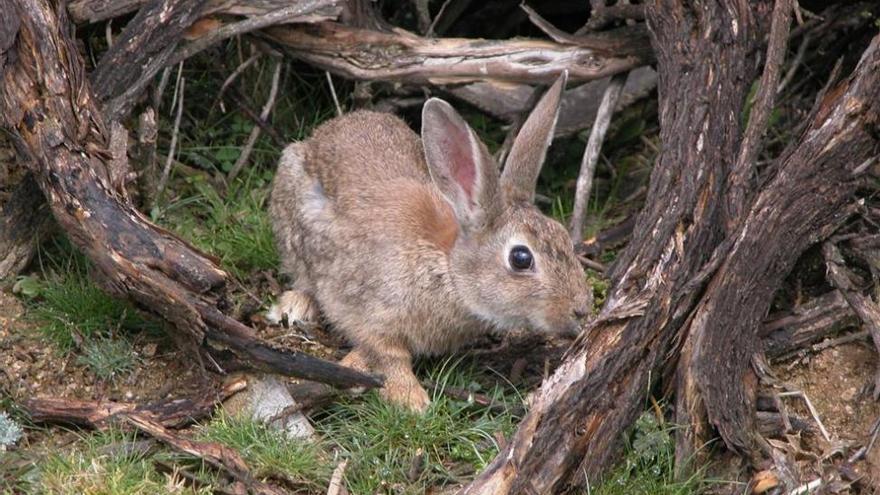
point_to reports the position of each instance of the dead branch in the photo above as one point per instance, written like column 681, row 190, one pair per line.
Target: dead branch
column 867, row 310
column 759, row 115
column 63, row 139
column 806, row 325
column 591, row 155
column 579, row 108
column 147, row 41
column 172, row 413
column 91, row 11
column 301, row 11
column 214, row 454
column 404, row 57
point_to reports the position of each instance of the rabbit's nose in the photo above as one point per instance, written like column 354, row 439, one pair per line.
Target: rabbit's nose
column 581, row 312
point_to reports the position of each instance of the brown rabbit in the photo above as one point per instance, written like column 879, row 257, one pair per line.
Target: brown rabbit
column 414, row 246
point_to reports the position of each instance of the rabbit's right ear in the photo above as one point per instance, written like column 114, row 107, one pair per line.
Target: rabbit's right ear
column 460, row 165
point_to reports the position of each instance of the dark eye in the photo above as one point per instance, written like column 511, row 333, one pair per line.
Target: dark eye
column 521, row 258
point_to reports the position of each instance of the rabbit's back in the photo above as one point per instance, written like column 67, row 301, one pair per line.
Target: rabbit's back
column 362, row 150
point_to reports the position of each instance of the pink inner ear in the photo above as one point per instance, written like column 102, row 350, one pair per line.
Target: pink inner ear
column 461, row 158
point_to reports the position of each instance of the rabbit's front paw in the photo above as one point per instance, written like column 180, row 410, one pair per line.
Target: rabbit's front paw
column 406, row 393
column 296, row 305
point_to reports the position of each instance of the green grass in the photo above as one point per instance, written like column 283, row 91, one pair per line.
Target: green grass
column 393, row 450
column 648, row 466
column 235, row 227
column 108, row 357
column 67, row 306
column 269, row 454
column 76, row 316
column 103, row 463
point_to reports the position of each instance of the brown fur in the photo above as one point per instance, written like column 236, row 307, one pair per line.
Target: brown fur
column 407, row 256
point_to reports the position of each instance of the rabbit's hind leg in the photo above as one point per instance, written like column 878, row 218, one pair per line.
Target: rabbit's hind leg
column 296, row 305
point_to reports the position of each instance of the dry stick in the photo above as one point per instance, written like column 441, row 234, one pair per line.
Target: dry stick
column 215, row 454
column 255, row 131
column 232, row 77
column 174, row 135
column 336, row 487
column 795, row 63
column 283, row 15
column 160, row 89
column 591, row 155
column 280, row 16
column 811, row 408
column 333, row 93
column 759, row 115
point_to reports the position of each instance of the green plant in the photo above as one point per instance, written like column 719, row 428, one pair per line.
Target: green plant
column 268, row 452
column 390, row 449
column 69, row 308
column 234, row 227
column 108, row 463
column 108, row 358
column 648, row 467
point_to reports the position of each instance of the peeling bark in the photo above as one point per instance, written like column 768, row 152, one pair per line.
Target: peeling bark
column 404, row 57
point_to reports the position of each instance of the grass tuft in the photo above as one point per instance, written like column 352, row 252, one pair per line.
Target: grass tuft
column 648, row 467
column 269, row 453
column 76, row 316
column 105, row 463
column 108, row 358
column 390, row 449
column 234, row 227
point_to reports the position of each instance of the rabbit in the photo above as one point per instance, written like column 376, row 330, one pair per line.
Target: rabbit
column 414, row 247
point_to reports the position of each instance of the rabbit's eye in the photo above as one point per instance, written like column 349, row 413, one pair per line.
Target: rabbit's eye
column 521, row 258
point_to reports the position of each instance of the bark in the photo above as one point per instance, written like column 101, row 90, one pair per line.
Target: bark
column 147, row 42
column 24, row 220
column 705, row 64
column 807, row 324
column 810, row 196
column 400, row 56
column 50, row 112
column 91, row 11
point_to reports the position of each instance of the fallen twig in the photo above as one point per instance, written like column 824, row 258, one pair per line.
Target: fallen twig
column 166, row 170
column 255, row 131
column 336, row 487
column 813, row 411
column 591, row 155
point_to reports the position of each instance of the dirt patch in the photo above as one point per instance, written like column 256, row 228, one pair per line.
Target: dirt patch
column 30, row 367
column 838, row 381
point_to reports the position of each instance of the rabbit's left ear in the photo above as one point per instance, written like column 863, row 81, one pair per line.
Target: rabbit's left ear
column 530, row 146
column 460, row 165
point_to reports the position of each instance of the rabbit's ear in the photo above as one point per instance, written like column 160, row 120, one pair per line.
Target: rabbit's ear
column 460, row 165
column 530, row 146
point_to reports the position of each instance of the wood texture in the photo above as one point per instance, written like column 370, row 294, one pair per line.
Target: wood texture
column 404, row 57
